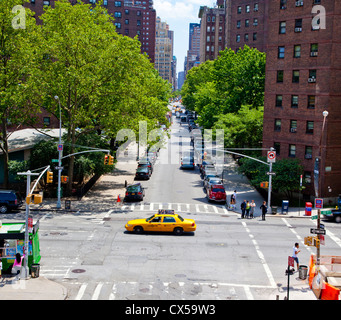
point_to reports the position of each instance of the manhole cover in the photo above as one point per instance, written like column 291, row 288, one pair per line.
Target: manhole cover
column 144, row 290
column 78, row 270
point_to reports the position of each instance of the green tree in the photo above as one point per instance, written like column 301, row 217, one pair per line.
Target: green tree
column 16, row 27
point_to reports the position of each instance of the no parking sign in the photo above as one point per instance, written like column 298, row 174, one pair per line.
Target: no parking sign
column 272, row 156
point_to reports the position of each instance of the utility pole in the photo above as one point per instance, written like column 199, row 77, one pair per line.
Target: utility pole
column 60, row 154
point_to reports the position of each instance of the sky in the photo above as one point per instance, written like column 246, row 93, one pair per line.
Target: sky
column 179, row 14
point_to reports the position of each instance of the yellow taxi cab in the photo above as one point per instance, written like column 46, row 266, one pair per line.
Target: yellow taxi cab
column 163, row 221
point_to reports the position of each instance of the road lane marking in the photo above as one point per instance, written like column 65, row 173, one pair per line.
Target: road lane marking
column 97, row 291
column 261, row 257
column 81, row 291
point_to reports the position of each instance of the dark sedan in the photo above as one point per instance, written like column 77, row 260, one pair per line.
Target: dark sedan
column 134, row 192
column 142, row 173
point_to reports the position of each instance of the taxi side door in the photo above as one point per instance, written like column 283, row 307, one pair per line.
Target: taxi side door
column 154, row 224
column 168, row 223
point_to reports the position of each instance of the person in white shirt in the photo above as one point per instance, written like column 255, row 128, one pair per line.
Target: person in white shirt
column 295, row 253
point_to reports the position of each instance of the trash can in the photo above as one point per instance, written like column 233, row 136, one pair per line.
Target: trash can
column 35, row 268
column 302, row 272
column 308, row 208
column 274, row 210
column 285, row 206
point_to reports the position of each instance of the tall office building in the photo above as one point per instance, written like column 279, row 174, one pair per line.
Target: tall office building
column 164, row 50
column 193, row 52
column 132, row 18
column 303, row 69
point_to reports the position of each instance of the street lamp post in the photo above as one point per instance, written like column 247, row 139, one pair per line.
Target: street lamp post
column 60, row 154
column 317, row 180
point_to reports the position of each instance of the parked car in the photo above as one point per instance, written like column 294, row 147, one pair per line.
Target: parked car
column 210, row 174
column 208, row 167
column 142, row 172
column 335, row 215
column 204, row 163
column 152, row 157
column 9, row 200
column 146, row 162
column 187, row 162
column 212, row 180
column 216, row 193
column 134, row 192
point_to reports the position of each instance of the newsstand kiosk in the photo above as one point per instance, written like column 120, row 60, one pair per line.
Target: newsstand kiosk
column 12, row 241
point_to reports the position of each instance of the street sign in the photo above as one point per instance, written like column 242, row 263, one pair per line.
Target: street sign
column 291, row 261
column 318, row 231
column 59, row 168
column 271, row 173
column 318, row 203
column 272, row 156
column 322, row 240
column 60, row 147
column 55, row 160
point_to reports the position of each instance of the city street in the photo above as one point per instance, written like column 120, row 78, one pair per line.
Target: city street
column 227, row 258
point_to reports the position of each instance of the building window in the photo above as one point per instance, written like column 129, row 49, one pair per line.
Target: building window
column 255, row 22
column 118, row 3
column 278, row 124
column 246, row 37
column 314, row 48
column 292, row 150
column 297, row 51
column 310, row 127
column 254, row 36
column 279, row 100
column 47, row 121
column 311, row 102
column 238, row 38
column 126, row 21
column 208, row 18
column 283, row 4
column 282, row 27
column 277, row 147
column 308, row 152
column 280, row 76
column 294, row 101
column 247, row 8
column 247, row 23
column 312, row 76
column 255, row 7
column 238, row 24
column 138, row 13
column 213, row 18
column 281, row 52
column 298, row 25
column 126, row 11
column 138, row 23
column 296, row 76
column 239, row 10
column 118, row 25
column 293, row 126
column 208, row 29
column 118, row 14
column 105, row 2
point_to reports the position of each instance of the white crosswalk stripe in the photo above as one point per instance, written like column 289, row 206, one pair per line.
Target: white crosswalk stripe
column 178, row 207
column 164, row 290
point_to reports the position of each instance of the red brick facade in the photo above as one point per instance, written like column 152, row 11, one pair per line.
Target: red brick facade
column 303, row 72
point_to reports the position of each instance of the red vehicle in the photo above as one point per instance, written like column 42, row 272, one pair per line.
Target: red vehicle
column 216, row 193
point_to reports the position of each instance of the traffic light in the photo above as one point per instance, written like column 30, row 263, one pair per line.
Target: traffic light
column 64, row 179
column 264, row 185
column 111, row 160
column 106, row 159
column 37, row 198
column 49, row 177
column 316, row 242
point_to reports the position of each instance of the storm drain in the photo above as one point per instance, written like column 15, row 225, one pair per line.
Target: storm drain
column 78, row 271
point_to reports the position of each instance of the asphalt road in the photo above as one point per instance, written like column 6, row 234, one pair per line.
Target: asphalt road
column 227, row 258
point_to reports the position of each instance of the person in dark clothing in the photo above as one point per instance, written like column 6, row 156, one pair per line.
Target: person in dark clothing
column 243, row 208
column 264, row 209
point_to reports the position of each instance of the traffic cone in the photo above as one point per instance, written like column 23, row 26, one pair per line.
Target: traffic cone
column 118, row 199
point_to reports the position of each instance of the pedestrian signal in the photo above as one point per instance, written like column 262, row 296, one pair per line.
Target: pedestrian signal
column 64, row 179
column 49, row 177
column 264, row 185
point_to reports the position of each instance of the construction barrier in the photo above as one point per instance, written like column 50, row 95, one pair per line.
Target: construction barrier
column 329, row 292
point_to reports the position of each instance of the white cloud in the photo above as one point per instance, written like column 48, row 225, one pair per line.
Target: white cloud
column 166, row 9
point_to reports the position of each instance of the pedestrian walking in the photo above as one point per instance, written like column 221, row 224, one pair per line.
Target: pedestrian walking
column 253, row 206
column 232, row 203
column 235, row 196
column 247, row 209
column 243, row 208
column 295, row 253
column 264, row 209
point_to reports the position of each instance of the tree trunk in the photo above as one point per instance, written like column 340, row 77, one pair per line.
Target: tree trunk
column 5, row 153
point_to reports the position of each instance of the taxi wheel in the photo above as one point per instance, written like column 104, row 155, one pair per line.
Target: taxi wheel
column 178, row 231
column 138, row 229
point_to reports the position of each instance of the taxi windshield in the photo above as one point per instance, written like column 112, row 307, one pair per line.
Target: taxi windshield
column 150, row 218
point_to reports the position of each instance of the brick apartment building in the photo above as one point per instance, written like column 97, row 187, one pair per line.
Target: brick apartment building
column 303, row 73
column 246, row 24
column 212, row 31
